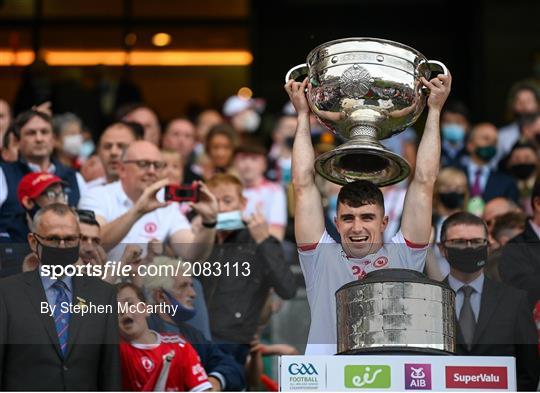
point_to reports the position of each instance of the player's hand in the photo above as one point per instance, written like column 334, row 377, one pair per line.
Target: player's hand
column 297, row 94
column 148, row 202
column 439, row 89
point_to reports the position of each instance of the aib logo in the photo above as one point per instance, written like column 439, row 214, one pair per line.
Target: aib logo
column 418, row 376
column 302, row 369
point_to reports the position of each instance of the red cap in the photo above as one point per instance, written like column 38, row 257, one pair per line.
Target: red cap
column 32, row 185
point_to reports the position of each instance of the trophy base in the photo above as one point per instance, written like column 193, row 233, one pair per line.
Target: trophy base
column 362, row 159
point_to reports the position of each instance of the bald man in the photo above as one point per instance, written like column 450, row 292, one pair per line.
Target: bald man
column 484, row 182
column 132, row 210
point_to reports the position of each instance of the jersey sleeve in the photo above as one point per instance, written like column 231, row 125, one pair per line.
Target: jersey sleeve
column 310, row 257
column 196, row 378
column 408, row 255
column 93, row 199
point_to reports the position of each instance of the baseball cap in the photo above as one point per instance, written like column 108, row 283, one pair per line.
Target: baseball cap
column 33, row 184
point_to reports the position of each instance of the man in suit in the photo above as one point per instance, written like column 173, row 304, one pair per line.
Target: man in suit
column 484, row 181
column 520, row 265
column 45, row 344
column 493, row 319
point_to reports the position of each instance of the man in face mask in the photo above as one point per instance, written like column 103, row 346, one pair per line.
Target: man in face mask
column 454, row 128
column 485, row 183
column 522, row 164
column 35, row 190
column 484, row 308
column 51, row 334
column 524, row 101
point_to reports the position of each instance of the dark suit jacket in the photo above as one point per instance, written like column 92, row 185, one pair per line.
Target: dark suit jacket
column 30, row 357
column 498, row 185
column 505, row 328
column 520, row 264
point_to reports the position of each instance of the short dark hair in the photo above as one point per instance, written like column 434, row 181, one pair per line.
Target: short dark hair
column 135, row 128
column 251, row 146
column 87, row 217
column 508, row 221
column 24, row 117
column 138, row 291
column 462, row 218
column 456, row 106
column 360, row 193
column 221, row 129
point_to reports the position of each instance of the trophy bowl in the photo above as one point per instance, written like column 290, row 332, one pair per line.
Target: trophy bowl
column 365, row 90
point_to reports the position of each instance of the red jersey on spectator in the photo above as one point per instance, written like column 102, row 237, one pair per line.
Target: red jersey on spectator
column 171, row 364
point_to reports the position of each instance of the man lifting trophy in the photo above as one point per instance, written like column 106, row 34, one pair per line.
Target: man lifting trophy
column 363, row 89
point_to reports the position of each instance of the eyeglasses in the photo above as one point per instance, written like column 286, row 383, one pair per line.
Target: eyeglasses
column 463, row 243
column 55, row 196
column 145, row 164
column 55, row 241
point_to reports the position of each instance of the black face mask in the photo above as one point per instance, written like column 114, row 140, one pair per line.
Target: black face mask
column 452, row 200
column 57, row 255
column 522, row 171
column 467, row 260
column 486, row 153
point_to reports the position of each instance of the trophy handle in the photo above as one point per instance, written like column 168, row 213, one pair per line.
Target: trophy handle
column 434, row 66
column 298, row 73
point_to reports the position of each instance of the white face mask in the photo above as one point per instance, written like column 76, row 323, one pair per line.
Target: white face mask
column 250, row 121
column 73, row 144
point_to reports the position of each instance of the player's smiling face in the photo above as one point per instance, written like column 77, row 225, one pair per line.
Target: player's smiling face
column 361, row 228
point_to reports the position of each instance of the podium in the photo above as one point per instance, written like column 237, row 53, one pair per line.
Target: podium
column 394, row 373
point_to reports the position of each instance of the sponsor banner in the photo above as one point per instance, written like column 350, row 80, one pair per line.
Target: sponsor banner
column 476, row 377
column 396, row 373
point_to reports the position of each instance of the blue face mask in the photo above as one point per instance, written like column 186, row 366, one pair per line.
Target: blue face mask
column 230, row 221
column 453, row 132
column 87, row 148
column 182, row 313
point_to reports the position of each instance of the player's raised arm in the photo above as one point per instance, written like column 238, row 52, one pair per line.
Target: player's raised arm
column 416, row 221
column 308, row 213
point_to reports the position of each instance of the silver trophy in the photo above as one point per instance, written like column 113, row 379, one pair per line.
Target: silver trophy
column 397, row 311
column 365, row 90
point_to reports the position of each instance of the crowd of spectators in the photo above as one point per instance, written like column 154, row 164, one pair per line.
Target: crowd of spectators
column 114, row 180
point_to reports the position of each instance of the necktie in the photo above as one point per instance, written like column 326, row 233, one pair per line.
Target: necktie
column 61, row 319
column 476, row 190
column 467, row 322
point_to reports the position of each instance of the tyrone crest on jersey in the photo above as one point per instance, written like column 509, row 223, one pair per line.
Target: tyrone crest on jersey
column 147, row 363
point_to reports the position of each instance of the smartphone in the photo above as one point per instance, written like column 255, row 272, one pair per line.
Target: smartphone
column 181, row 193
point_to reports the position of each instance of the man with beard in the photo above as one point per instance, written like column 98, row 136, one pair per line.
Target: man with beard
column 59, row 349
column 132, row 210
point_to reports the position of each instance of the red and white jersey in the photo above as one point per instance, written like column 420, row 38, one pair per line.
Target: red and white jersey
column 327, row 268
column 271, row 198
column 143, row 366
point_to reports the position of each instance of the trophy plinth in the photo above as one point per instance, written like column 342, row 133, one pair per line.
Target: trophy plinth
column 365, row 90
